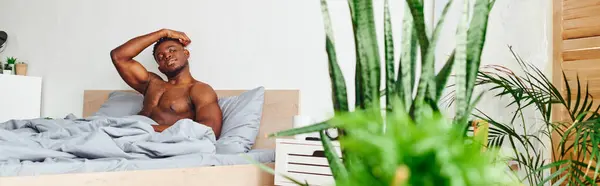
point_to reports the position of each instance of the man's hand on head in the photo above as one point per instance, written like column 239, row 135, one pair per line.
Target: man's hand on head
column 182, row 37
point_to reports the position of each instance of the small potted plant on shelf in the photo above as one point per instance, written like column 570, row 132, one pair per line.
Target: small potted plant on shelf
column 10, row 65
column 7, row 70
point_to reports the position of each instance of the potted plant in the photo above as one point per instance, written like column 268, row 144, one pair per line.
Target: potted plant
column 21, row 68
column 10, row 65
column 7, row 69
column 575, row 142
column 411, row 141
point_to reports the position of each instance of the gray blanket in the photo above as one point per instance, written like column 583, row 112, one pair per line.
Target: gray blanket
column 104, row 144
column 101, row 137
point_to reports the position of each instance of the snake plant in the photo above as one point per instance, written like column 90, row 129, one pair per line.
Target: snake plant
column 411, row 142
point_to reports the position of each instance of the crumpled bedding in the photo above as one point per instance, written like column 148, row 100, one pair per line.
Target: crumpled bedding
column 99, row 143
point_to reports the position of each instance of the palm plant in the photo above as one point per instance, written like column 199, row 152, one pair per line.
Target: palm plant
column 576, row 152
column 411, row 142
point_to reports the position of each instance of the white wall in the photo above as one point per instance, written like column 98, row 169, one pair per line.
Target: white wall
column 237, row 44
column 230, row 38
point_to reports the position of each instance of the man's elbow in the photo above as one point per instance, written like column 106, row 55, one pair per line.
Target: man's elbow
column 215, row 126
column 116, row 56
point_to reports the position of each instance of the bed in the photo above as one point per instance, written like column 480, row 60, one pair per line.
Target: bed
column 278, row 110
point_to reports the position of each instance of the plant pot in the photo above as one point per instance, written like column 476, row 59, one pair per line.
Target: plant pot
column 7, row 69
column 21, row 69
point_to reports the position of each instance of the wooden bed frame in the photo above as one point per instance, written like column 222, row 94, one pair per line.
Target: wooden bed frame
column 279, row 108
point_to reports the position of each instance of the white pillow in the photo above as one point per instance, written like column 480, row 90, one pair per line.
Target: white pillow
column 241, row 120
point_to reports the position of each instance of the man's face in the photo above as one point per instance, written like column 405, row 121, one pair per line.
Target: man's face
column 171, row 57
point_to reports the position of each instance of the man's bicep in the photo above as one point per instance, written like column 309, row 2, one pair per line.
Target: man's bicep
column 134, row 74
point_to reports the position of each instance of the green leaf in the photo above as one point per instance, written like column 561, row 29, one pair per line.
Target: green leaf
column 569, row 100
column 555, row 174
column 408, row 61
column 389, row 58
column 338, row 84
column 561, row 180
column 442, row 77
column 577, row 99
column 335, row 163
column 426, row 86
column 417, row 12
column 475, row 41
column 460, row 63
column 367, row 54
column 302, row 130
column 595, row 155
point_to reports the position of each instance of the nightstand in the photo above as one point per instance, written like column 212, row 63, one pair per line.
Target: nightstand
column 302, row 160
column 20, row 97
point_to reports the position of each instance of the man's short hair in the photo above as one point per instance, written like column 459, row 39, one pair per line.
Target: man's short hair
column 162, row 40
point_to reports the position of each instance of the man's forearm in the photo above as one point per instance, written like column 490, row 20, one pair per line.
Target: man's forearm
column 160, row 128
column 135, row 46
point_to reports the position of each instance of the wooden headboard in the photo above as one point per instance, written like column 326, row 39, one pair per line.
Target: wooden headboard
column 279, row 108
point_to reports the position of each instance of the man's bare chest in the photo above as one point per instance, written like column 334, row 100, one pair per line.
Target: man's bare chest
column 168, row 98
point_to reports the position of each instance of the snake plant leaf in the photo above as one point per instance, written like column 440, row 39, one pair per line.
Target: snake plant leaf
column 405, row 81
column 302, row 130
column 417, row 12
column 367, row 51
column 441, row 78
column 426, row 86
column 460, row 64
column 340, row 174
column 389, row 58
column 338, row 84
column 475, row 41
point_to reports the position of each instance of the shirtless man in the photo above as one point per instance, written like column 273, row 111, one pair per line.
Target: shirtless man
column 181, row 96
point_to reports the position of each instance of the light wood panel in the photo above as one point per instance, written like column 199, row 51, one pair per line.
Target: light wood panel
column 582, row 54
column 575, row 4
column 247, row 175
column 575, row 44
column 581, row 32
column 279, row 108
column 581, row 12
column 576, row 52
column 582, row 22
column 581, row 64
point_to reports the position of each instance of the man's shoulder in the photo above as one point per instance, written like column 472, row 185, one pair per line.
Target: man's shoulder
column 153, row 75
column 203, row 90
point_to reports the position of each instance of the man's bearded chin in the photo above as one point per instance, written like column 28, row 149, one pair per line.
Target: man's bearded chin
column 175, row 72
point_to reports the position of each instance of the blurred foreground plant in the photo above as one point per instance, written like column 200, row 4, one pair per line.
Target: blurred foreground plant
column 411, row 142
